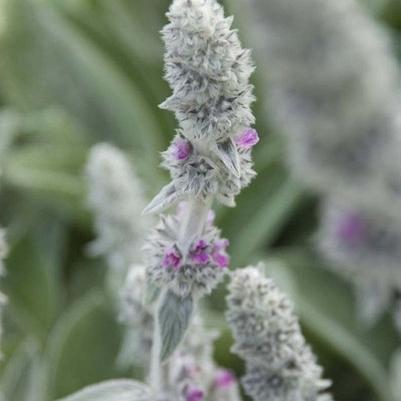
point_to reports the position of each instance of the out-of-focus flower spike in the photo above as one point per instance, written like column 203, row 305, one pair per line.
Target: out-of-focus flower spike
column 334, row 89
column 279, row 363
column 117, row 200
column 364, row 245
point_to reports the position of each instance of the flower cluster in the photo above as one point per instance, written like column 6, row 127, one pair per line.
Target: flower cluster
column 280, row 365
column 116, row 197
column 186, row 268
column 209, row 73
column 192, row 373
column 334, row 88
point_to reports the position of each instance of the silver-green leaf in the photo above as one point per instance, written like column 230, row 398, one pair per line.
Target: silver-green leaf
column 228, row 154
column 113, row 390
column 174, row 317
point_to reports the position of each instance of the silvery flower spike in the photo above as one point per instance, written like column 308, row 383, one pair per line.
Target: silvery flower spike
column 209, row 158
column 280, row 366
column 334, row 89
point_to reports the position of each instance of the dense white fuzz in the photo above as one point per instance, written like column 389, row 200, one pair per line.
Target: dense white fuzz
column 280, row 365
column 207, row 70
column 209, row 73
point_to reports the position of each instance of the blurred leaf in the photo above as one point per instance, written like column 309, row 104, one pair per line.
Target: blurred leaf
column 115, row 390
column 76, row 75
column 32, row 281
column 266, row 221
column 395, row 375
column 84, row 343
column 24, row 378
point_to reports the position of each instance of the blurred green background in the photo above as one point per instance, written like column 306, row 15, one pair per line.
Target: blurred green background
column 76, row 72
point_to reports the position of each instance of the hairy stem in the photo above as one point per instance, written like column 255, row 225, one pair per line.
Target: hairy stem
column 155, row 374
column 194, row 221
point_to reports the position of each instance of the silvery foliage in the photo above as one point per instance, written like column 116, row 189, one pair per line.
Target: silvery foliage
column 365, row 246
column 113, row 390
column 189, row 273
column 280, row 365
column 192, row 368
column 334, row 88
column 209, row 73
column 117, row 200
column 137, row 316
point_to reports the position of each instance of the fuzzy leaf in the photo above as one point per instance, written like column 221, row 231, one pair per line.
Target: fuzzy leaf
column 228, row 154
column 113, row 390
column 163, row 200
column 174, row 318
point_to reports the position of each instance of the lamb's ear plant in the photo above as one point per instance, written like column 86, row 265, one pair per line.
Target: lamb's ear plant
column 209, row 158
column 185, row 255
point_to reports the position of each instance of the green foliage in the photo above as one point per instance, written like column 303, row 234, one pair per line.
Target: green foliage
column 76, row 72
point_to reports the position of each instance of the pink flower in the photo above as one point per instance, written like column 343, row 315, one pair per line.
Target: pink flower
column 200, row 254
column 248, row 139
column 181, row 149
column 193, row 393
column 172, row 258
column 219, row 254
column 224, row 379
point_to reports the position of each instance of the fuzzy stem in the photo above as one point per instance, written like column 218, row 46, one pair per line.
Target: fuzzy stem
column 194, row 221
column 155, row 374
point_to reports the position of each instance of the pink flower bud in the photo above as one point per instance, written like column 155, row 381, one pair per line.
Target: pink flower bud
column 219, row 254
column 224, row 379
column 181, row 149
column 248, row 139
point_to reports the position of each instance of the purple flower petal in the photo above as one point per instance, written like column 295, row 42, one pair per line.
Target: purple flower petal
column 224, row 379
column 222, row 260
column 219, row 254
column 248, row 139
column 172, row 259
column 193, row 393
column 200, row 253
column 181, row 149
